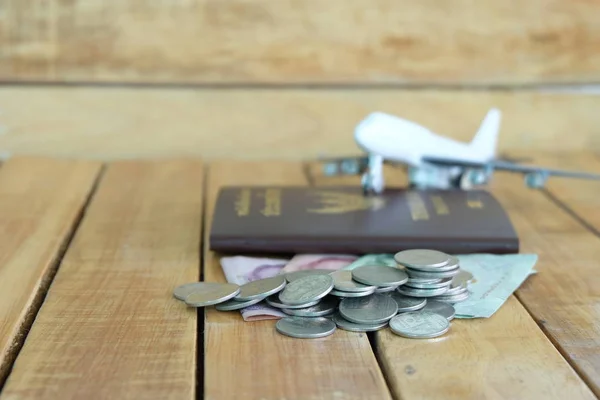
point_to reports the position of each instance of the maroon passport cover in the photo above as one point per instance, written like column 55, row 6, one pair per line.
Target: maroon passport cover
column 288, row 219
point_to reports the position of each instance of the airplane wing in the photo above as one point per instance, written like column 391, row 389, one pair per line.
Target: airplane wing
column 537, row 171
column 351, row 165
column 514, row 160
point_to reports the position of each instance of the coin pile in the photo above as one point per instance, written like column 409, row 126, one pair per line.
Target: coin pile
column 434, row 275
column 414, row 299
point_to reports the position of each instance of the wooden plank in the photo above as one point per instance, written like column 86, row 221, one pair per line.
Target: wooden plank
column 265, row 124
column 505, row 356
column 563, row 296
column 40, row 205
column 579, row 196
column 447, row 42
column 110, row 327
column 265, row 364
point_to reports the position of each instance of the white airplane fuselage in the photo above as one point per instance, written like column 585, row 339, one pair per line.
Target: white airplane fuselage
column 403, row 141
column 436, row 161
column 388, row 138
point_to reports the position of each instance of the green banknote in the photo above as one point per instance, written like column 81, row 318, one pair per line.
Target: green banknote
column 496, row 277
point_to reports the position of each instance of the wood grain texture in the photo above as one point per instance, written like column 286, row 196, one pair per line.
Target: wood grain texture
column 40, row 204
column 564, row 296
column 579, row 196
column 265, row 124
column 503, row 357
column 251, row 360
column 450, row 41
column 110, row 327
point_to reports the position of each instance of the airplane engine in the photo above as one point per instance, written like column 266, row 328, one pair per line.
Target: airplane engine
column 536, row 180
column 471, row 178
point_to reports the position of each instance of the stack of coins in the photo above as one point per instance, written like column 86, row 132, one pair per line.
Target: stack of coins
column 306, row 295
column 228, row 296
column 414, row 299
column 431, row 275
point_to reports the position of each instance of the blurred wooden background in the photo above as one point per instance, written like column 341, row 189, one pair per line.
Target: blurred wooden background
column 290, row 78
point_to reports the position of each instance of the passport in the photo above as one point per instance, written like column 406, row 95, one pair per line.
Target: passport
column 342, row 220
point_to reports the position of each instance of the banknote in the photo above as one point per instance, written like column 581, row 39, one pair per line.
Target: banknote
column 319, row 261
column 495, row 278
column 373, row 259
column 241, row 270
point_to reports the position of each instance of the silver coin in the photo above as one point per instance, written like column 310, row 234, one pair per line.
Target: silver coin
column 386, row 289
column 305, row 328
column 456, row 290
column 444, row 309
column 261, row 288
column 183, row 291
column 342, row 280
column 273, row 301
column 234, row 304
column 292, row 276
column 406, row 303
column 422, row 258
column 417, row 285
column 210, row 293
column 327, row 306
column 377, row 275
column 453, row 263
column 419, row 325
column 419, row 280
column 432, row 275
column 457, row 298
column 341, row 293
column 463, row 278
column 421, row 292
column 304, row 290
column 343, row 323
column 373, row 309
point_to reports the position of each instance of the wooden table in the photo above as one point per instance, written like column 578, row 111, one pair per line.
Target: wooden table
column 90, row 254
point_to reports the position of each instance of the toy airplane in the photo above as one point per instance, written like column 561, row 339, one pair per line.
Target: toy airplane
column 433, row 161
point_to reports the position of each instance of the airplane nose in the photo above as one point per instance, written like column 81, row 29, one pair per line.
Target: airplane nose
column 369, row 128
column 365, row 125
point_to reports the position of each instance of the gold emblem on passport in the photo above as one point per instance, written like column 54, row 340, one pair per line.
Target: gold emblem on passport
column 332, row 202
column 474, row 204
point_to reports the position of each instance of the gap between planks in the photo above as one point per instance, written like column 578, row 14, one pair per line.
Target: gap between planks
column 201, row 315
column 40, row 292
column 138, row 240
column 592, row 86
column 342, row 365
column 567, row 313
column 40, row 296
column 565, row 207
column 308, row 171
column 391, row 41
column 550, row 305
column 163, row 123
column 405, row 367
column 576, row 197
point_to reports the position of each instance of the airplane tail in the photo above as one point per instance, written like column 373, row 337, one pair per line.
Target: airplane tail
column 486, row 138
